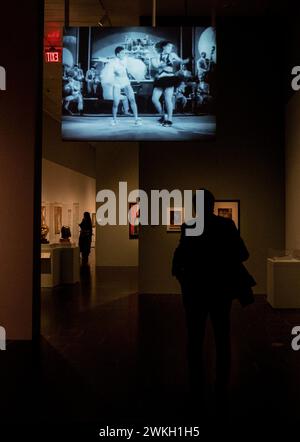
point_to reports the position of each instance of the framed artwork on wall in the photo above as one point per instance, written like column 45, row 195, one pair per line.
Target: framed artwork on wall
column 57, row 219
column 175, row 219
column 75, row 211
column 43, row 215
column 228, row 209
column 134, row 226
column 69, row 217
column 94, row 220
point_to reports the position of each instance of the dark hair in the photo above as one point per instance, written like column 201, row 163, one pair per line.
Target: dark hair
column 162, row 44
column 119, row 49
column 203, row 54
column 209, row 201
column 87, row 219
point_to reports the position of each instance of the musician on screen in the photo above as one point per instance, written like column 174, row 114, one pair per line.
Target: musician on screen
column 115, row 82
column 166, row 80
column 205, row 66
column 202, row 66
column 72, row 91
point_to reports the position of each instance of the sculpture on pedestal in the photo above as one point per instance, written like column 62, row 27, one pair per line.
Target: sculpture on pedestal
column 65, row 234
column 44, row 233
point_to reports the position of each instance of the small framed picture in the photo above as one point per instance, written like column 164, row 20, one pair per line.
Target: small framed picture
column 229, row 209
column 175, row 219
column 43, row 216
column 57, row 219
column 134, row 226
column 94, row 220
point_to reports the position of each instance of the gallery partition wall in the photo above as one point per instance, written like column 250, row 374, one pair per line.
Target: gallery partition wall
column 20, row 156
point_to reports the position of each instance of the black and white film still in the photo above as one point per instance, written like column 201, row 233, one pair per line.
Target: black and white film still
column 139, row 83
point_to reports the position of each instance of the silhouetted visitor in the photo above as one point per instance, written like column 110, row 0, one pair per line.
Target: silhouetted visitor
column 85, row 237
column 210, row 270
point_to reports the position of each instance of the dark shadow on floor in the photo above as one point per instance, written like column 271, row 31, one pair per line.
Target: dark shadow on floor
column 111, row 356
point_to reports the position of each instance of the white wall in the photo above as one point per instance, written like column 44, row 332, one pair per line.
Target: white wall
column 116, row 162
column 293, row 173
column 63, row 185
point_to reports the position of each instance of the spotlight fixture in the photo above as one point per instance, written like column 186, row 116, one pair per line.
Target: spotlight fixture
column 104, row 17
column 102, row 20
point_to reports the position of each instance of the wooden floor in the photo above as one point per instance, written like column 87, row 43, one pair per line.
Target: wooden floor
column 96, row 128
column 109, row 355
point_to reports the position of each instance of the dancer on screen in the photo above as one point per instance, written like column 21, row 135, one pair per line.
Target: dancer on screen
column 166, row 80
column 115, row 80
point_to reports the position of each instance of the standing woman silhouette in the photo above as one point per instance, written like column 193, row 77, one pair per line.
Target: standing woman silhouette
column 85, row 237
column 166, row 80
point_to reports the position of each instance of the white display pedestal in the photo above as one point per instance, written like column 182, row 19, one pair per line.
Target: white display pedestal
column 69, row 265
column 283, row 283
column 50, row 266
column 60, row 264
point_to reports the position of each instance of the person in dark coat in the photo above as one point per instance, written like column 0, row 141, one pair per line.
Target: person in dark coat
column 208, row 268
column 85, row 237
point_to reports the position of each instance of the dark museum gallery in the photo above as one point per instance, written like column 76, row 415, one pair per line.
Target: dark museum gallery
column 115, row 327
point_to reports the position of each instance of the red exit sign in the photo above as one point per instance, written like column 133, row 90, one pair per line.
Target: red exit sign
column 52, row 56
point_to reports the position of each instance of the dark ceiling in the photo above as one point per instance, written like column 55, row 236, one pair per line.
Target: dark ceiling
column 123, row 12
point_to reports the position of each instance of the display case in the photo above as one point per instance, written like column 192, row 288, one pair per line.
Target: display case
column 60, row 264
column 283, row 278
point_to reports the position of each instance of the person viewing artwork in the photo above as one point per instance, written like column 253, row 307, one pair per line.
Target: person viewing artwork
column 115, row 74
column 211, row 273
column 85, row 237
column 166, row 80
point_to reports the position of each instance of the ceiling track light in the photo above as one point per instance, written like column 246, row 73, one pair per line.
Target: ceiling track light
column 102, row 20
column 105, row 17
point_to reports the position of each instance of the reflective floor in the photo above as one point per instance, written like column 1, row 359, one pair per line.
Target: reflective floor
column 109, row 355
